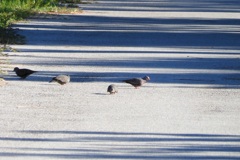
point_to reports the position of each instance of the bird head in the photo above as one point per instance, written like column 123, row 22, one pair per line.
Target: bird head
column 15, row 69
column 147, row 78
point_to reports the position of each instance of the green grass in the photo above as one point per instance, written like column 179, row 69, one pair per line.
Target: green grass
column 12, row 11
column 15, row 10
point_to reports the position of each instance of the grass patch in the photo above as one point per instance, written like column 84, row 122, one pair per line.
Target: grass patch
column 12, row 11
column 16, row 10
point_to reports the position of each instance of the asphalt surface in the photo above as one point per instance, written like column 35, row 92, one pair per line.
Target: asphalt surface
column 188, row 110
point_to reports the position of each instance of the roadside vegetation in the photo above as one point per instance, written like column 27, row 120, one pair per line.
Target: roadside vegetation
column 16, row 10
column 12, row 11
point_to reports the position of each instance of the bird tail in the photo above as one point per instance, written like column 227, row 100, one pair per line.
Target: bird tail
column 52, row 80
column 126, row 81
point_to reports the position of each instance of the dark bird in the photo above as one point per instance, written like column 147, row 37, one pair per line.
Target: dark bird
column 23, row 73
column 61, row 79
column 137, row 82
column 112, row 89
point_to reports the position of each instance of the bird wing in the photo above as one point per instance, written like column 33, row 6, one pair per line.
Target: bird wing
column 62, row 78
column 24, row 72
column 134, row 81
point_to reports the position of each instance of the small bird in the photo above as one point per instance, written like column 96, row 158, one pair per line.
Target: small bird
column 112, row 89
column 61, row 79
column 137, row 82
column 23, row 73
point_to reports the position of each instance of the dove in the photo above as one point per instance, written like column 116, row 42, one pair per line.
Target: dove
column 61, row 79
column 137, row 82
column 23, row 73
column 112, row 89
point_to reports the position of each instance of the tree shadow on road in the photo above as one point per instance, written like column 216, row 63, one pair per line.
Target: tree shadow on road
column 218, row 39
column 124, row 145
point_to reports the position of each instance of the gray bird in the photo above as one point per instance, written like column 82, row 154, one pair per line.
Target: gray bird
column 137, row 82
column 61, row 79
column 112, row 89
column 23, row 73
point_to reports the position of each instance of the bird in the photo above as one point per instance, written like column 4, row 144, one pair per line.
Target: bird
column 61, row 79
column 23, row 73
column 137, row 82
column 112, row 89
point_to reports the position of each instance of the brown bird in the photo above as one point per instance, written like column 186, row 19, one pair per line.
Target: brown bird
column 61, row 79
column 23, row 73
column 137, row 82
column 112, row 89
